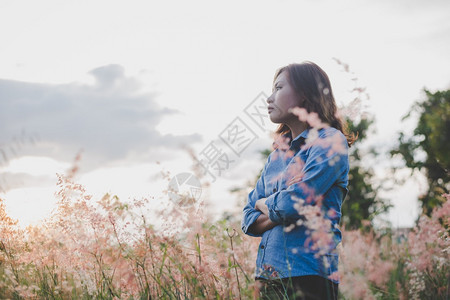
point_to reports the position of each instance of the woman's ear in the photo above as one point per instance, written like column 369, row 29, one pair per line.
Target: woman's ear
column 301, row 102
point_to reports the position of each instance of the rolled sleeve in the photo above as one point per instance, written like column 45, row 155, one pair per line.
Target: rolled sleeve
column 324, row 167
column 250, row 216
column 250, row 213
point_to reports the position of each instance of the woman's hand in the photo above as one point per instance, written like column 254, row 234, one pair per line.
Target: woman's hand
column 261, row 206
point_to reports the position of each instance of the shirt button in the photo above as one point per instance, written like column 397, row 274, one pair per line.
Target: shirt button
column 262, row 246
column 274, row 190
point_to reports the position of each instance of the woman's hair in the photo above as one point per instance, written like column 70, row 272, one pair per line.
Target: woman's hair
column 313, row 88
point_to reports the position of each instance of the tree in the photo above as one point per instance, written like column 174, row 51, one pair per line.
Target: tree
column 428, row 148
column 362, row 201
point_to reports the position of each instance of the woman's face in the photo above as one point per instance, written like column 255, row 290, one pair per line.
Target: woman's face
column 282, row 99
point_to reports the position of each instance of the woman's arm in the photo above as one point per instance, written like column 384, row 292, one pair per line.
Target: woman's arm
column 261, row 225
column 252, row 215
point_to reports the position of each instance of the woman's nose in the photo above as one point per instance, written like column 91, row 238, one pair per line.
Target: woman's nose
column 269, row 100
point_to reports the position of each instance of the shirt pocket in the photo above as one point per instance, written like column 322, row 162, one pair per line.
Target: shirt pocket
column 293, row 168
column 271, row 182
column 271, row 188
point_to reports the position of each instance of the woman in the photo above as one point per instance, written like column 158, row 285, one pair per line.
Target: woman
column 296, row 204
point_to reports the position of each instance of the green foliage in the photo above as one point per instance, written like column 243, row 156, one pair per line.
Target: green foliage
column 362, row 201
column 428, row 148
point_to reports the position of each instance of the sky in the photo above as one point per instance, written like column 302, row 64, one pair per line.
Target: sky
column 128, row 85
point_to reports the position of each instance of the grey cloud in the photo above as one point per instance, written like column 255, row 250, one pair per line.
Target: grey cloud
column 9, row 181
column 107, row 119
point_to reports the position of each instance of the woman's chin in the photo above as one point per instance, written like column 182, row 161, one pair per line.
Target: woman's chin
column 273, row 119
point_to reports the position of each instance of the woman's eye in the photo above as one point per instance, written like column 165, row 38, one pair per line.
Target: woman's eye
column 278, row 87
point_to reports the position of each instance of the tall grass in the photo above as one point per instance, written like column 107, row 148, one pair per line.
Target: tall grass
column 110, row 249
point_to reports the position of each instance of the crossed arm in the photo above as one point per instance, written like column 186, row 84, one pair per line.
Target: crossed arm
column 262, row 223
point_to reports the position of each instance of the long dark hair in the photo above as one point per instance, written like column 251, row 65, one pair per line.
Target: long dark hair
column 313, row 88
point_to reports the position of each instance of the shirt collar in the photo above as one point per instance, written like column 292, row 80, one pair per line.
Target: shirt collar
column 298, row 141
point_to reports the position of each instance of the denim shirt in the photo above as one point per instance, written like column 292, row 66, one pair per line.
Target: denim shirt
column 301, row 243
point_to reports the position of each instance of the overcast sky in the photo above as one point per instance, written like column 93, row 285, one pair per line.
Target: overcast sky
column 129, row 83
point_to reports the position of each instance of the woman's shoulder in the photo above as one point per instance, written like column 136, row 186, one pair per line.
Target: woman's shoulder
column 327, row 137
column 330, row 132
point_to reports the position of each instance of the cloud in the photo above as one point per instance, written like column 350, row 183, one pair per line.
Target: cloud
column 108, row 119
column 10, row 181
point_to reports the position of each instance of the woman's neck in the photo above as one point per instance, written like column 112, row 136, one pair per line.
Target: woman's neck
column 297, row 128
